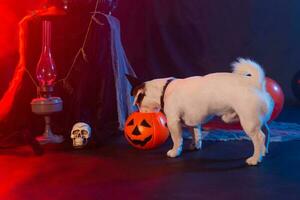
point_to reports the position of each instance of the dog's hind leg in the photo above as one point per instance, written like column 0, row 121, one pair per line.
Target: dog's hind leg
column 266, row 131
column 258, row 140
column 197, row 138
column 176, row 135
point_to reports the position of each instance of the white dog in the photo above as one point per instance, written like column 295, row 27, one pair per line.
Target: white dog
column 240, row 95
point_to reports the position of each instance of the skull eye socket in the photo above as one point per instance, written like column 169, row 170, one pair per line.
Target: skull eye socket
column 145, row 124
column 84, row 133
column 75, row 132
column 130, row 123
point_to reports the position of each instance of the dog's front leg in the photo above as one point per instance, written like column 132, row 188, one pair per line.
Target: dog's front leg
column 197, row 138
column 176, row 135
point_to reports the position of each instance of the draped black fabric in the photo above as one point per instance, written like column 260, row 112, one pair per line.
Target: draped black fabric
column 183, row 38
column 93, row 99
column 194, row 37
column 89, row 95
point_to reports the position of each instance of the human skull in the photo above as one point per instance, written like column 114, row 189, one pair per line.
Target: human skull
column 80, row 134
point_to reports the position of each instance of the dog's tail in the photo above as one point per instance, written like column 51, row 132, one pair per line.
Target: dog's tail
column 247, row 67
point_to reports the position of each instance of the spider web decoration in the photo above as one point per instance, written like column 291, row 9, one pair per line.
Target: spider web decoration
column 81, row 51
column 119, row 60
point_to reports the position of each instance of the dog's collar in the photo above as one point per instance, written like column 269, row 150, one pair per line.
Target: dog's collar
column 162, row 103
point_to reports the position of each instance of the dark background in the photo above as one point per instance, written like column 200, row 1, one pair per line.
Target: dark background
column 183, row 37
column 191, row 37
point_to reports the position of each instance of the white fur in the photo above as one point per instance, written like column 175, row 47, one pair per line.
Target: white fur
column 192, row 101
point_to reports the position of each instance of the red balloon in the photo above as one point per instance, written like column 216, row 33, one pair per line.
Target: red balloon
column 273, row 88
column 277, row 95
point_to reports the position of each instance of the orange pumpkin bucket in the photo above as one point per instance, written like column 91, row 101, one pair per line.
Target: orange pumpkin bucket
column 146, row 130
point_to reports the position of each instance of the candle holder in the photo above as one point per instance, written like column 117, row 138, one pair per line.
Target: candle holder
column 45, row 104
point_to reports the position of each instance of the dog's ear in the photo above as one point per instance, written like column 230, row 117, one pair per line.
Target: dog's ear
column 139, row 96
column 135, row 83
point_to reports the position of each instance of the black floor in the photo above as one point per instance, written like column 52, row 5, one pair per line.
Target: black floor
column 118, row 171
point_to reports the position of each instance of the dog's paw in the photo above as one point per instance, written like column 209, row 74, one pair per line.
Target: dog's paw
column 194, row 146
column 253, row 160
column 173, row 153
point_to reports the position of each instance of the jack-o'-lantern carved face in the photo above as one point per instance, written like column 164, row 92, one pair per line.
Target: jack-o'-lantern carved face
column 146, row 130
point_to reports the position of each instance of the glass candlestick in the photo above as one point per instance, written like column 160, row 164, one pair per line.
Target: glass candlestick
column 46, row 70
column 45, row 104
